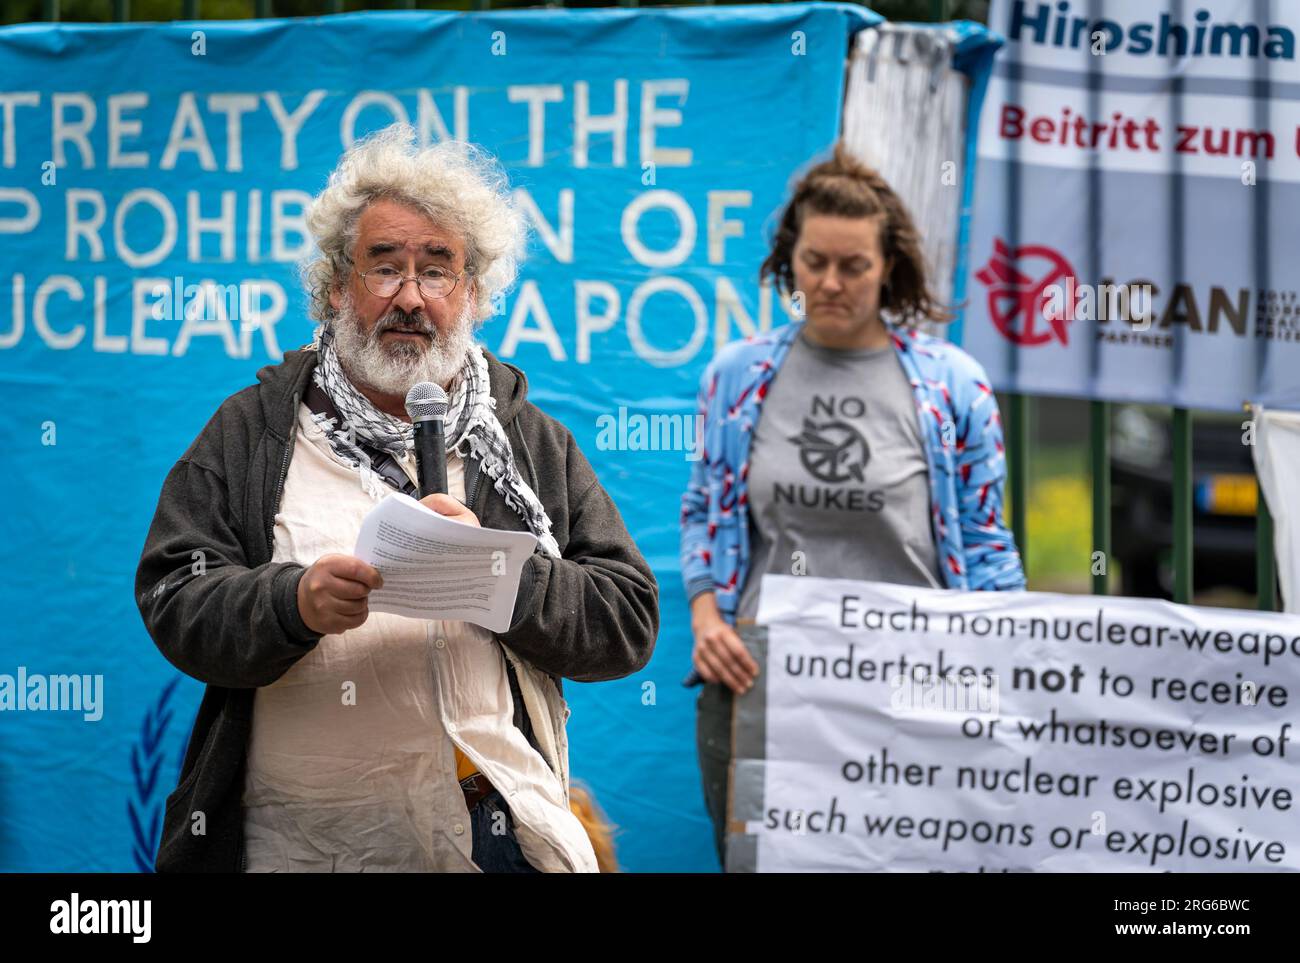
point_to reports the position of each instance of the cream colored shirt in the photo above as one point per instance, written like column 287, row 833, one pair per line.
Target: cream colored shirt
column 350, row 761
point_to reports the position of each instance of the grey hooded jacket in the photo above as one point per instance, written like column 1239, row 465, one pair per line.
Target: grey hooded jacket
column 233, row 623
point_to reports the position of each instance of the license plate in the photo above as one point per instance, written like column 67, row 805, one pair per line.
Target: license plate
column 1227, row 494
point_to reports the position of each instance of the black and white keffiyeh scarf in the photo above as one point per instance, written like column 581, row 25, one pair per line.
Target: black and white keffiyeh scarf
column 471, row 428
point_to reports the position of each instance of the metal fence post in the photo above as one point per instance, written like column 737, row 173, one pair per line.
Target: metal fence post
column 1265, row 571
column 1182, row 518
column 1018, row 467
column 1099, row 445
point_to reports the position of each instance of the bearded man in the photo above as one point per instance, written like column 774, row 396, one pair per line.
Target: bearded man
column 331, row 738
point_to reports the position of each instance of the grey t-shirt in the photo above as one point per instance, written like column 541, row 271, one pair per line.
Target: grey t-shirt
column 837, row 474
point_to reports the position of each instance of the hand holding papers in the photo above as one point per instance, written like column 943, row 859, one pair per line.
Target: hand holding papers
column 435, row 568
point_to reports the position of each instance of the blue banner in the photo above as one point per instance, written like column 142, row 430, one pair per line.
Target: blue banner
column 153, row 184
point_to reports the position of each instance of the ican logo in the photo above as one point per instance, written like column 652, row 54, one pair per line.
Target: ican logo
column 1060, row 25
column 1020, row 282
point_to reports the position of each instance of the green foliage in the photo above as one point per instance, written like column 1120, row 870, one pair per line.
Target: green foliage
column 101, row 11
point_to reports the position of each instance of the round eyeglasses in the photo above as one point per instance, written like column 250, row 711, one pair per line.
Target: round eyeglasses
column 385, row 281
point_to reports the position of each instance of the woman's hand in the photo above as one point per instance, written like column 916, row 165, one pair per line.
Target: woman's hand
column 719, row 655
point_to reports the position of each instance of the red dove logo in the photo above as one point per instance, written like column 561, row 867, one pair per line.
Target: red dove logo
column 1018, row 301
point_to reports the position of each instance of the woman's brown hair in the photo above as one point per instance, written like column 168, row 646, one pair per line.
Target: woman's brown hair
column 844, row 186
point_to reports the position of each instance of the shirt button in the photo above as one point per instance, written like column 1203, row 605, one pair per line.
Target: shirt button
column 451, row 727
column 441, row 643
column 459, row 829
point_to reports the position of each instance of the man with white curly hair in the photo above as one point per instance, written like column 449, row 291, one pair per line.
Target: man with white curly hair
column 330, row 738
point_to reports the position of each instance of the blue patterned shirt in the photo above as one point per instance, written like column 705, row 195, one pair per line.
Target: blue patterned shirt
column 963, row 448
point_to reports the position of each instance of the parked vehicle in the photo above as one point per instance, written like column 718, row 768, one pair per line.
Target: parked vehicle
column 1224, row 501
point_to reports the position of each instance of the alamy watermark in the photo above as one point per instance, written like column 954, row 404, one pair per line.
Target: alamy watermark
column 53, row 693
column 654, row 432
column 1100, row 302
column 965, row 692
column 129, row 917
column 209, row 300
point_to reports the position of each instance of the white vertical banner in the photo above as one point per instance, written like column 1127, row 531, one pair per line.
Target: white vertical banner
column 895, row 728
column 905, row 115
column 1277, row 463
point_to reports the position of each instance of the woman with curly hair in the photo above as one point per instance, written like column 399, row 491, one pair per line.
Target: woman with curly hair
column 878, row 455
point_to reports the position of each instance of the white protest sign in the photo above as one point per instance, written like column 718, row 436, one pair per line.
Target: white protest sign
column 900, row 728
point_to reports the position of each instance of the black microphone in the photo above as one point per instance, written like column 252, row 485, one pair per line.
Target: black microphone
column 426, row 403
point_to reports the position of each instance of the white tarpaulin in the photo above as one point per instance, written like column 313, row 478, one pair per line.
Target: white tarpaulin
column 1095, row 734
column 905, row 114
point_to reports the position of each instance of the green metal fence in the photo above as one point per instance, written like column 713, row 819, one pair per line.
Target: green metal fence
column 1018, row 417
